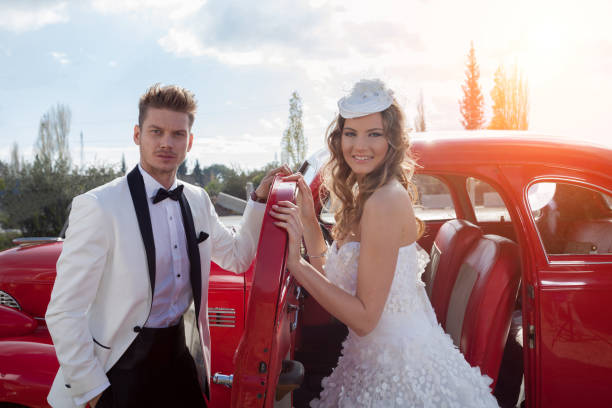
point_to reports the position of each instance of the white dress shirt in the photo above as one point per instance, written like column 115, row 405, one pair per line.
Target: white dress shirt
column 172, row 285
column 173, row 293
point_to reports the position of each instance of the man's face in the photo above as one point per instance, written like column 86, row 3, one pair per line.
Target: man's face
column 164, row 141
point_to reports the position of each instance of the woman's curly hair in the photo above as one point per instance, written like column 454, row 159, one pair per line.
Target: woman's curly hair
column 348, row 196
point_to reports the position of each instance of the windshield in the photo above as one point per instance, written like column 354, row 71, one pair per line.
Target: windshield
column 314, row 164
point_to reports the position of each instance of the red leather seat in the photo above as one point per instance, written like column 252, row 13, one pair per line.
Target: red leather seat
column 451, row 245
column 482, row 301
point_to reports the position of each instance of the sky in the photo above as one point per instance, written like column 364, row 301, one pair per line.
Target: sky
column 242, row 59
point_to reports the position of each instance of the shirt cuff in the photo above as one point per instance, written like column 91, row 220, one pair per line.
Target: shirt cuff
column 255, row 204
column 88, row 396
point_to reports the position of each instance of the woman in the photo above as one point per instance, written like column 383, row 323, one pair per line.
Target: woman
column 396, row 355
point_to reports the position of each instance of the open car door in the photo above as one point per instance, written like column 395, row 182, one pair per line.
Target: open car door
column 264, row 373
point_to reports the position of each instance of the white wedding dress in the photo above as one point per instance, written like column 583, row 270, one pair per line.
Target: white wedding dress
column 407, row 360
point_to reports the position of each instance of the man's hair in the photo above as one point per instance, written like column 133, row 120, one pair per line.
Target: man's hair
column 170, row 97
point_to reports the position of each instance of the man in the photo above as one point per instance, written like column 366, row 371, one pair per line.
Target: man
column 137, row 252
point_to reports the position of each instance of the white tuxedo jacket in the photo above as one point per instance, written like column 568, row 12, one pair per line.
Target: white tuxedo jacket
column 103, row 294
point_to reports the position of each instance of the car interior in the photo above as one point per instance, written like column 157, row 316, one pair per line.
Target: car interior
column 575, row 220
column 473, row 281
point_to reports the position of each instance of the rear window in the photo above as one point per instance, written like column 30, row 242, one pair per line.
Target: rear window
column 434, row 201
column 486, row 201
column 571, row 219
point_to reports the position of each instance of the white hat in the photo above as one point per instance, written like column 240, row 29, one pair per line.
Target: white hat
column 367, row 96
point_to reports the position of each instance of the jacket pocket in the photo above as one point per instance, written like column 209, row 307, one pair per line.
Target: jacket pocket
column 100, row 344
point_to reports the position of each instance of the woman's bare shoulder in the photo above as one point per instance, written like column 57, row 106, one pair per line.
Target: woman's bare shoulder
column 392, row 197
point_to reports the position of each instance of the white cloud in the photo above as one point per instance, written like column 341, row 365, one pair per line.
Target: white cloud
column 172, row 9
column 246, row 150
column 31, row 15
column 60, row 57
column 266, row 124
column 184, row 43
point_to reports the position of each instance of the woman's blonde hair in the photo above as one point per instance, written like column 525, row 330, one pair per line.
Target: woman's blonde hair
column 348, row 196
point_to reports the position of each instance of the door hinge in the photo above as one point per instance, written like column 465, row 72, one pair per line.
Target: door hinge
column 531, row 336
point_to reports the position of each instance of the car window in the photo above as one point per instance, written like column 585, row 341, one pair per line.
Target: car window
column 486, row 201
column 326, row 215
column 575, row 220
column 313, row 165
column 434, row 201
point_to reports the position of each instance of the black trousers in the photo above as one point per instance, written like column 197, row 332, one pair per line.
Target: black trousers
column 155, row 371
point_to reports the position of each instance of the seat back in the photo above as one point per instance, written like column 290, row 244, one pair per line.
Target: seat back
column 451, row 245
column 482, row 301
column 592, row 236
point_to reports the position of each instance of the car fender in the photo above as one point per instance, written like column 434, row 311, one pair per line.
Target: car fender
column 27, row 370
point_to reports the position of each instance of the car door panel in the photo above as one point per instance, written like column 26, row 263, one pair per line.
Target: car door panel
column 268, row 336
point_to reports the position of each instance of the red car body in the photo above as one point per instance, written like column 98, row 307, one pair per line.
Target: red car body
column 265, row 330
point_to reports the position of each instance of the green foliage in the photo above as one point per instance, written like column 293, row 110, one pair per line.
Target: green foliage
column 6, row 239
column 182, row 169
column 219, row 172
column 197, row 175
column 35, row 199
column 293, row 143
column 220, row 178
column 214, row 187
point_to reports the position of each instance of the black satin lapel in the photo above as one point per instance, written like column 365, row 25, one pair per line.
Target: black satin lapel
column 195, row 272
column 139, row 198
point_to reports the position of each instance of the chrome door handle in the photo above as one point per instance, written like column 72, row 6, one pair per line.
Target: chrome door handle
column 222, row 379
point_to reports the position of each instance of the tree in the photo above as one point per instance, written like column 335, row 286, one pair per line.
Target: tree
column 83, row 150
column 472, row 104
column 52, row 143
column 36, row 199
column 218, row 172
column 36, row 195
column 15, row 163
column 197, row 175
column 182, row 169
column 213, row 187
column 510, row 100
column 293, row 144
column 123, row 169
column 420, row 124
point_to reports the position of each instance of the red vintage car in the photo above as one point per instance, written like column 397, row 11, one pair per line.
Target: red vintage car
column 519, row 229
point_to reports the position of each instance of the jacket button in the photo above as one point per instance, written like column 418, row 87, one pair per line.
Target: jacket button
column 137, row 329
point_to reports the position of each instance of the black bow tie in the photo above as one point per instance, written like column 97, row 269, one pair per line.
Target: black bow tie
column 162, row 194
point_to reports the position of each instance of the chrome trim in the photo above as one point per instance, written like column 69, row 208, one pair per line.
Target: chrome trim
column 221, row 317
column 223, row 379
column 24, row 242
column 531, row 336
column 8, row 300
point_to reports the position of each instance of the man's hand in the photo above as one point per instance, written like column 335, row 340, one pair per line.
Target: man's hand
column 94, row 401
column 264, row 187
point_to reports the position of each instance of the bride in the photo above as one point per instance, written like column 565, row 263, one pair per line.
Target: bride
column 395, row 355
